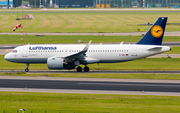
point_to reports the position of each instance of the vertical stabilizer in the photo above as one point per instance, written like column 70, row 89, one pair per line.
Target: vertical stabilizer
column 155, row 34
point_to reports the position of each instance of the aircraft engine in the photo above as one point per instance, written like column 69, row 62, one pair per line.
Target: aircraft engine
column 55, row 63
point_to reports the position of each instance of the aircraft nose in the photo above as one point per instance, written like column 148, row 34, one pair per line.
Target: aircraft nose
column 7, row 56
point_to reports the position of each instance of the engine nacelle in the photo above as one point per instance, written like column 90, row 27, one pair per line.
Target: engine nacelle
column 55, row 63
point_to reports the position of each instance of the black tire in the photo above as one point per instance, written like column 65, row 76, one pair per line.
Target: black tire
column 26, row 70
column 79, row 69
column 86, row 69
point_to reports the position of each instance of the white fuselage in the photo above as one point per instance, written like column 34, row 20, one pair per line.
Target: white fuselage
column 104, row 53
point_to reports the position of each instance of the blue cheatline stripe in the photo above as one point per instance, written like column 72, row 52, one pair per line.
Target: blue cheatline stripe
column 3, row 2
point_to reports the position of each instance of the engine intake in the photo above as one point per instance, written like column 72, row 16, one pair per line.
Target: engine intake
column 55, row 63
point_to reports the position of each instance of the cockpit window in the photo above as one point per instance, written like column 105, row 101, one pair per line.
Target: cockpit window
column 14, row 51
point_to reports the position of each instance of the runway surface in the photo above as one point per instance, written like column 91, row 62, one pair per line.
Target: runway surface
column 90, row 85
column 95, row 71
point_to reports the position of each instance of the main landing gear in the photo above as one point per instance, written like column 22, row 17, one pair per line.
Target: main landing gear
column 27, row 66
column 86, row 69
column 79, row 69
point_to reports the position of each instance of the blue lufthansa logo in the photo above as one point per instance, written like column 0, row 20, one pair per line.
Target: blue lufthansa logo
column 42, row 48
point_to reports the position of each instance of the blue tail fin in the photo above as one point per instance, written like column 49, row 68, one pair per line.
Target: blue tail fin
column 155, row 34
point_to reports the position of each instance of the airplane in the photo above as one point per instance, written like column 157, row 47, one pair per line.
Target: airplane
column 70, row 56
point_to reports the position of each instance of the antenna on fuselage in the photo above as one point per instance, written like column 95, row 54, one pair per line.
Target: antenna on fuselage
column 121, row 43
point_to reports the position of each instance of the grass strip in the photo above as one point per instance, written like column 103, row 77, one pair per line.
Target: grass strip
column 87, row 21
column 16, row 39
column 102, row 75
column 11, row 102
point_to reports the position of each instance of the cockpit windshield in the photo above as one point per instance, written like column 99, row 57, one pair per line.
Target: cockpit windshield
column 14, row 51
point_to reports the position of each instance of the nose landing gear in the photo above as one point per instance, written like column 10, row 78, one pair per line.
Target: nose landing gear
column 27, row 66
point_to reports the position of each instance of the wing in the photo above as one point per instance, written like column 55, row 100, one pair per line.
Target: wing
column 80, row 54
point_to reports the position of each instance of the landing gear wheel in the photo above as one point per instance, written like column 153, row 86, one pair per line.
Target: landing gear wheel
column 79, row 69
column 27, row 67
column 86, row 69
column 26, row 70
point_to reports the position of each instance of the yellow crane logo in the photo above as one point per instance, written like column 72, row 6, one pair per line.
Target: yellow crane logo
column 157, row 31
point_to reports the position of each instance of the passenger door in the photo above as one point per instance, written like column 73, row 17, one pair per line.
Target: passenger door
column 24, row 51
column 134, row 51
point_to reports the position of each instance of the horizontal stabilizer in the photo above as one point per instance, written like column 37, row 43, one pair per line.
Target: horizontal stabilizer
column 155, row 49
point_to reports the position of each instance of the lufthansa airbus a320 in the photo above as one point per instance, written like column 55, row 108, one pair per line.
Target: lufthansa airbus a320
column 71, row 56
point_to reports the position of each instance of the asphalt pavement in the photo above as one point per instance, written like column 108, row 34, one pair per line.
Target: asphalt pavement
column 90, row 85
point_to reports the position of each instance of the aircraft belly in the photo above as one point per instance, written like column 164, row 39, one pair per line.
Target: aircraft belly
column 29, row 60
